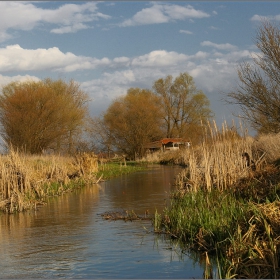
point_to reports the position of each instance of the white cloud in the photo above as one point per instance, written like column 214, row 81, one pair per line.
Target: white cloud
column 159, row 58
column 15, row 58
column 124, row 71
column 213, row 27
column 110, row 85
column 262, row 18
column 181, row 13
column 185, row 31
column 26, row 16
column 69, row 29
column 162, row 13
column 4, row 80
column 213, row 72
column 200, row 55
column 122, row 59
column 226, row 46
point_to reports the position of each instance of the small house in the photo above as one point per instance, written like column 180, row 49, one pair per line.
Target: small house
column 166, row 144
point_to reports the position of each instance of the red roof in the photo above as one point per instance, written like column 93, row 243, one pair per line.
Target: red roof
column 173, row 140
column 164, row 141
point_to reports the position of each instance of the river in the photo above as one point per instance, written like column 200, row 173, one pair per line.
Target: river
column 68, row 238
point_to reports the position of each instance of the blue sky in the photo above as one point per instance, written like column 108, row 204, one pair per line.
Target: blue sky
column 111, row 46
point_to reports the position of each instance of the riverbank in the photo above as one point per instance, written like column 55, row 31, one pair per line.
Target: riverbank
column 68, row 237
column 26, row 180
column 227, row 208
column 112, row 169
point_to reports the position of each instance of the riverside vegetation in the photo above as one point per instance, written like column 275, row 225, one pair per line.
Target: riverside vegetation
column 26, row 180
column 225, row 207
column 222, row 207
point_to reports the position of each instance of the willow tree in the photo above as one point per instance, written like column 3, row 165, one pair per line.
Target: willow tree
column 41, row 115
column 185, row 107
column 133, row 120
column 258, row 91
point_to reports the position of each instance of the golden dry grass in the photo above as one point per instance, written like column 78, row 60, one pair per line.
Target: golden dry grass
column 26, row 179
column 268, row 144
column 254, row 252
column 217, row 167
column 217, row 161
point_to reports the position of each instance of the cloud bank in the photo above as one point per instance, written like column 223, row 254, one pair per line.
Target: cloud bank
column 68, row 18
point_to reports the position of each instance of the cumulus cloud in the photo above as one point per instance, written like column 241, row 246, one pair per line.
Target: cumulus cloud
column 226, row 46
column 162, row 13
column 15, row 58
column 4, row 80
column 200, row 55
column 159, row 58
column 128, row 71
column 109, row 86
column 68, row 18
column 213, row 72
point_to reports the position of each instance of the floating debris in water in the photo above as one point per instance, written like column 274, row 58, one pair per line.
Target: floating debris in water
column 125, row 215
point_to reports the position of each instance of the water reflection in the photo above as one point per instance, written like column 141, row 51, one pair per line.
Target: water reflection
column 68, row 237
column 146, row 190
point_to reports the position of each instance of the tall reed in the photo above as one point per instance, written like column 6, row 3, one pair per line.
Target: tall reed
column 25, row 180
column 217, row 162
column 225, row 207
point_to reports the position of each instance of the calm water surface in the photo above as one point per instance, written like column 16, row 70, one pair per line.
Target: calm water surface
column 67, row 238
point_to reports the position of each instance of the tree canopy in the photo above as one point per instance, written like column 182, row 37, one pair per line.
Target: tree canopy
column 41, row 115
column 133, row 120
column 173, row 108
column 258, row 91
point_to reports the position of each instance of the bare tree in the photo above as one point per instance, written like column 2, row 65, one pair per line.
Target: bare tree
column 101, row 135
column 185, row 107
column 258, row 93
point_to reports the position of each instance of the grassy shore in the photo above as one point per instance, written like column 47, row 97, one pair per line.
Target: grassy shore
column 111, row 169
column 26, row 180
column 227, row 210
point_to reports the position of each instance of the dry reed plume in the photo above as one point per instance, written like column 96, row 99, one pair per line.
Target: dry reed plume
column 229, row 205
column 218, row 162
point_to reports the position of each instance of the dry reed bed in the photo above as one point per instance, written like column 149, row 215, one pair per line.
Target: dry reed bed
column 254, row 250
column 217, row 161
column 216, row 172
column 25, row 180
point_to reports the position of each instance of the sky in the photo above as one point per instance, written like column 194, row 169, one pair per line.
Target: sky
column 111, row 46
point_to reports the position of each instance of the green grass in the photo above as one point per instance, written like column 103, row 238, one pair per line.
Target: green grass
column 202, row 219
column 240, row 235
column 111, row 170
